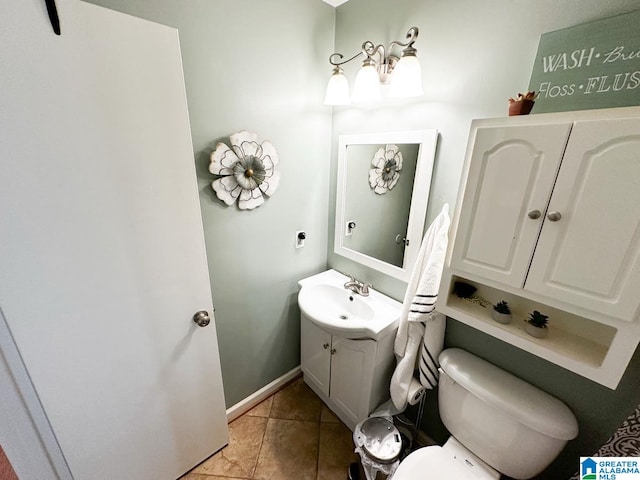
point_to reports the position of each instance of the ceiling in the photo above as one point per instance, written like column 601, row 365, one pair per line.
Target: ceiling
column 335, row 3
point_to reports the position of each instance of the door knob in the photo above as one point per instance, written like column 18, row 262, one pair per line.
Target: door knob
column 554, row 216
column 325, row 346
column 332, row 351
column 202, row 318
column 534, row 214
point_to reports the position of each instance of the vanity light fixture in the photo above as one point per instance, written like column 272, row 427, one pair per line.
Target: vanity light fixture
column 381, row 72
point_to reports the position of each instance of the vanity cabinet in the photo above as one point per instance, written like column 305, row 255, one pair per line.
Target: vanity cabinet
column 548, row 217
column 315, row 356
column 350, row 375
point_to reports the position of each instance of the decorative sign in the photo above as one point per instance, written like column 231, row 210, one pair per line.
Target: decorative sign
column 595, row 65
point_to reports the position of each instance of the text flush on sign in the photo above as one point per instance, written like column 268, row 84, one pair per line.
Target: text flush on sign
column 594, row 65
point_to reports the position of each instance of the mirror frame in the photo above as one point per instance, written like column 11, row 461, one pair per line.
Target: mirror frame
column 427, row 139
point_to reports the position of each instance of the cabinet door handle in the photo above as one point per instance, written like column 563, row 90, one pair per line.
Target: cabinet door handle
column 333, row 351
column 554, row 216
column 534, row 214
column 325, row 346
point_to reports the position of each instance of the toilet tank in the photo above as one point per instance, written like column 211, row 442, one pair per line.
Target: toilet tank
column 513, row 426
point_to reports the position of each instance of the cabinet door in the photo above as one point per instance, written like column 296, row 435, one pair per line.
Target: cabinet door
column 352, row 367
column 315, row 357
column 511, row 173
column 591, row 256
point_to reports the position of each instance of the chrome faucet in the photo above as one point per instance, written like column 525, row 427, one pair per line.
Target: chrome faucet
column 356, row 286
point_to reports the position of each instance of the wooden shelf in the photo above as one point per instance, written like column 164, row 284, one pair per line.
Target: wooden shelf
column 594, row 350
column 559, row 341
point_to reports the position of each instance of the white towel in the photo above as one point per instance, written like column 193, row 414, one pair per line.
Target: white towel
column 432, row 344
column 403, row 373
column 419, row 324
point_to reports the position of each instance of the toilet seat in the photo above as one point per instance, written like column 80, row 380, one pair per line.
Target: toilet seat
column 434, row 461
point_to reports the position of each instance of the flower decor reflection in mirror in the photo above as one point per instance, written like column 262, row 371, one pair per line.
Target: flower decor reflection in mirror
column 387, row 163
column 383, row 232
column 380, row 214
column 246, row 171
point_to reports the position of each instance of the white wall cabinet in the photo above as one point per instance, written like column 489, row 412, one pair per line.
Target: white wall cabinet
column 350, row 375
column 511, row 173
column 549, row 213
column 590, row 255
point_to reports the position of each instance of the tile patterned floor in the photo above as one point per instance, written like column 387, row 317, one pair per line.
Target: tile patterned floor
column 6, row 471
column 291, row 435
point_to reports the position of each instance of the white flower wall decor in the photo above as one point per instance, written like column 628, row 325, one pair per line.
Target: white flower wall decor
column 387, row 163
column 246, row 170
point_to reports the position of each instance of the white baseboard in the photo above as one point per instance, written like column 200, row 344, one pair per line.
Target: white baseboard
column 265, row 392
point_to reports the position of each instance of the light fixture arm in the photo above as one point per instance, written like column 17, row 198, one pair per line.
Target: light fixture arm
column 369, row 49
column 385, row 63
column 337, row 63
column 378, row 64
column 412, row 35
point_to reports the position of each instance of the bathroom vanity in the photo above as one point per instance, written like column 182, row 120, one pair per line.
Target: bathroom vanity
column 548, row 219
column 347, row 345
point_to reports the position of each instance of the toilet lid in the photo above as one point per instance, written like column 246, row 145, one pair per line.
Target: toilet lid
column 433, row 460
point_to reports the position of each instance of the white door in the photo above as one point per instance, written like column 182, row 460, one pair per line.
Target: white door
column 511, row 176
column 352, row 365
column 589, row 252
column 315, row 358
column 101, row 245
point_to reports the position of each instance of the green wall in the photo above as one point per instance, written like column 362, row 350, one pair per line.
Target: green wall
column 262, row 66
column 474, row 56
column 257, row 66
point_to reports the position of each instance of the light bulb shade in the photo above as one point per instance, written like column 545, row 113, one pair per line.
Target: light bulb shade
column 406, row 80
column 337, row 90
column 366, row 87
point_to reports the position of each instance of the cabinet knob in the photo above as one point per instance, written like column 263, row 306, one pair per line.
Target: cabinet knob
column 554, row 216
column 325, row 346
column 333, row 351
column 534, row 214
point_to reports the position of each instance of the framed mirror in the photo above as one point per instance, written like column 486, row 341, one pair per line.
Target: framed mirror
column 383, row 187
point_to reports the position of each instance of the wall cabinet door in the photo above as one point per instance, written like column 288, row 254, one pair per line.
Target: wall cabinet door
column 315, row 355
column 352, row 368
column 510, row 179
column 590, row 255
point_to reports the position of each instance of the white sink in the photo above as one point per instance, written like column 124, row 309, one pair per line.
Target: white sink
column 333, row 308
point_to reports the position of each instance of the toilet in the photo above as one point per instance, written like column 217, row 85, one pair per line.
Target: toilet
column 499, row 424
